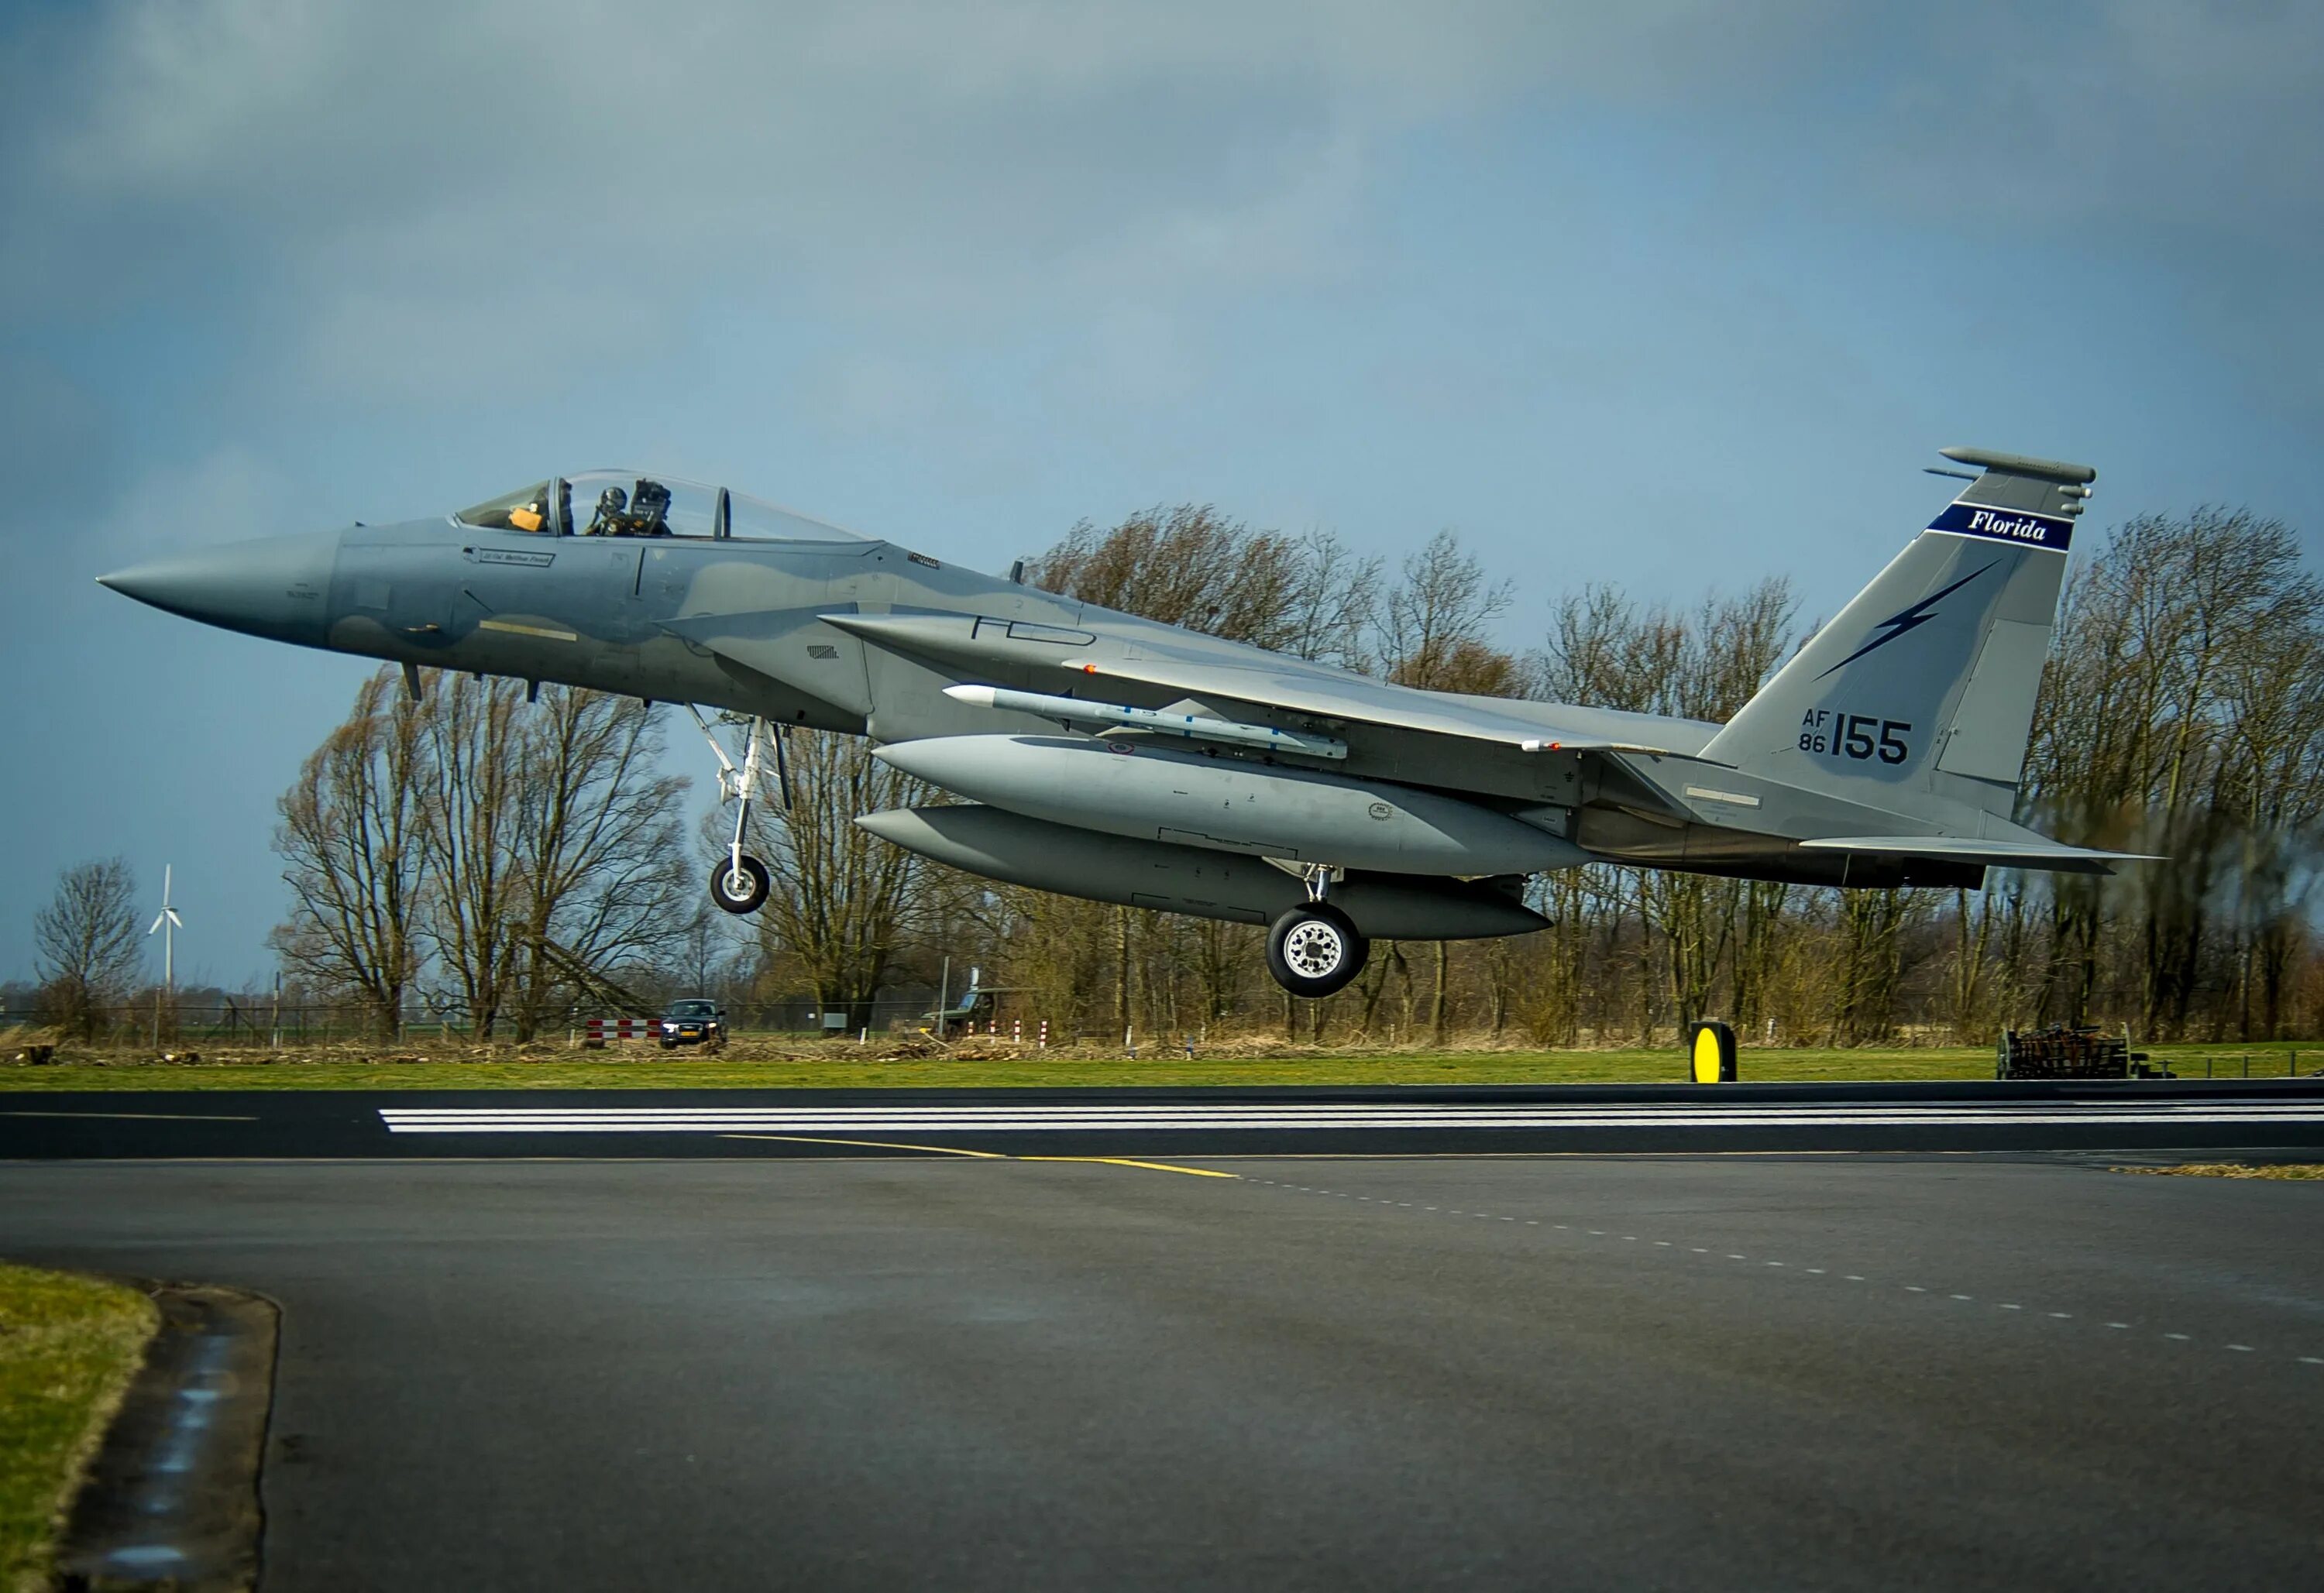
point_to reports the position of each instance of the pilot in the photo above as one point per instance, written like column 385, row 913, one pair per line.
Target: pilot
column 649, row 509
column 613, row 512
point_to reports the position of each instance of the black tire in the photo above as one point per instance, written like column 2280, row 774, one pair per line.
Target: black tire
column 723, row 881
column 670, row 1044
column 1313, row 950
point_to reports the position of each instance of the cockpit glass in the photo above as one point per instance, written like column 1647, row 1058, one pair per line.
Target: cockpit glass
column 754, row 518
column 524, row 509
column 628, row 503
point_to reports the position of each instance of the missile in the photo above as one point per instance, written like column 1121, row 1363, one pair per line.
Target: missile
column 997, row 845
column 1181, row 798
column 1193, row 727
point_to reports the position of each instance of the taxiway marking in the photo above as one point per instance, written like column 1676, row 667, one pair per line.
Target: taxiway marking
column 981, row 1155
column 1131, row 1162
column 2233, row 1347
column 934, row 1150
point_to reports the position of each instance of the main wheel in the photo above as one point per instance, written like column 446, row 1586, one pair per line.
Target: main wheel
column 742, row 889
column 1313, row 950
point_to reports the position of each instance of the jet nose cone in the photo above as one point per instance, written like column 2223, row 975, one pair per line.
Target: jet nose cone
column 277, row 587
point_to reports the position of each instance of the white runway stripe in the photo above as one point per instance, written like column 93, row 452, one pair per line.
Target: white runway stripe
column 1003, row 1119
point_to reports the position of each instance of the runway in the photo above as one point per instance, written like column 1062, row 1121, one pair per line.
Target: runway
column 887, row 1370
column 2281, row 1116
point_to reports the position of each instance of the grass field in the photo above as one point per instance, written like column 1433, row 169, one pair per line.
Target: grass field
column 2299, row 1172
column 68, row 1345
column 840, row 1065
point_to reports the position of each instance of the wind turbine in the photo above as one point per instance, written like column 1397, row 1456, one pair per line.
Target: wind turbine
column 168, row 922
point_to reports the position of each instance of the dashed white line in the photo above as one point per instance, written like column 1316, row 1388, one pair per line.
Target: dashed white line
column 1853, row 1277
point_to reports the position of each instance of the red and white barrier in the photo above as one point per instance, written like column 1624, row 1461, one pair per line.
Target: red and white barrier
column 598, row 1030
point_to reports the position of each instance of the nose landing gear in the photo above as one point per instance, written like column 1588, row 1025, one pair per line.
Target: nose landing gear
column 740, row 883
column 1314, row 950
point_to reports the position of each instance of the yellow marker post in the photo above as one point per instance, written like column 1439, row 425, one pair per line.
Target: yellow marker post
column 1710, row 1048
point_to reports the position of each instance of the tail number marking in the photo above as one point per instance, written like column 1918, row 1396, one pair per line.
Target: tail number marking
column 1858, row 736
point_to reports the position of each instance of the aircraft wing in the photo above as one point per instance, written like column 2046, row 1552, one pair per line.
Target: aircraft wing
column 1372, row 701
column 1265, row 681
column 1998, row 854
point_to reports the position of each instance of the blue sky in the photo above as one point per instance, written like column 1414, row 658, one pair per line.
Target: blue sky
column 1663, row 294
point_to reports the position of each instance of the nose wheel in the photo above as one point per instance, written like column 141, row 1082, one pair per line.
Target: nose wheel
column 1313, row 950
column 739, row 882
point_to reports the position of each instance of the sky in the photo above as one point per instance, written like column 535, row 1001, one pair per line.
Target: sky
column 1672, row 294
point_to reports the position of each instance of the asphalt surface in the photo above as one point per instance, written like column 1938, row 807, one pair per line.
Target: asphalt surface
column 2284, row 1116
column 1726, row 1371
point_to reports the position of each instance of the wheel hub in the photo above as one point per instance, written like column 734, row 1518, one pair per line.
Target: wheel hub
column 1315, row 949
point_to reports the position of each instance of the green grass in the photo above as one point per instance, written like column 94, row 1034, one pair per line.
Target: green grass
column 894, row 1062
column 648, row 1070
column 2301, row 1170
column 68, row 1347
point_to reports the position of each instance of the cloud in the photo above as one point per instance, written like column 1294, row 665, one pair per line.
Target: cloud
column 396, row 182
column 430, row 201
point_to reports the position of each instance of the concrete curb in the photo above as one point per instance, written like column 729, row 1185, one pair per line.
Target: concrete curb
column 171, row 1499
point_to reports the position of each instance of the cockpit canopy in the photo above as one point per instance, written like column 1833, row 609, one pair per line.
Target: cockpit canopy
column 628, row 503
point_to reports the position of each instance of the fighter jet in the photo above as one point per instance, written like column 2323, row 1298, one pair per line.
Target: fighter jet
column 1105, row 756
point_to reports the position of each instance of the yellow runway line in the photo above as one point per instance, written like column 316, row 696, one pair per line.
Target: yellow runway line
column 1126, row 1162
column 934, row 1150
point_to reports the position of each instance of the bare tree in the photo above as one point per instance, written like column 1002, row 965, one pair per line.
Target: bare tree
column 87, row 946
column 510, row 850
column 1191, row 566
column 471, row 813
column 1432, row 626
column 598, row 861
column 352, row 857
column 843, row 901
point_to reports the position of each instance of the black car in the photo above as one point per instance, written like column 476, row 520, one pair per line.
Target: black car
column 691, row 1023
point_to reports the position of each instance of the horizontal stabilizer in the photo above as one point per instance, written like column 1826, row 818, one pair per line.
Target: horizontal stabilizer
column 2048, row 855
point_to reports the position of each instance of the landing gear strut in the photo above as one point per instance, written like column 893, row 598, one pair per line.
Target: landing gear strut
column 740, row 883
column 1313, row 950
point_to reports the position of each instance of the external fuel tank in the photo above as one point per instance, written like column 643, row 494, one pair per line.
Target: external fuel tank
column 1149, row 793
column 997, row 845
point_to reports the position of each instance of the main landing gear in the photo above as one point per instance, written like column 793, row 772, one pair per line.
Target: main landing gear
column 739, row 882
column 1314, row 950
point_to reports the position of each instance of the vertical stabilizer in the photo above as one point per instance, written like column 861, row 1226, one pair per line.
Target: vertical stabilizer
column 1919, row 696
